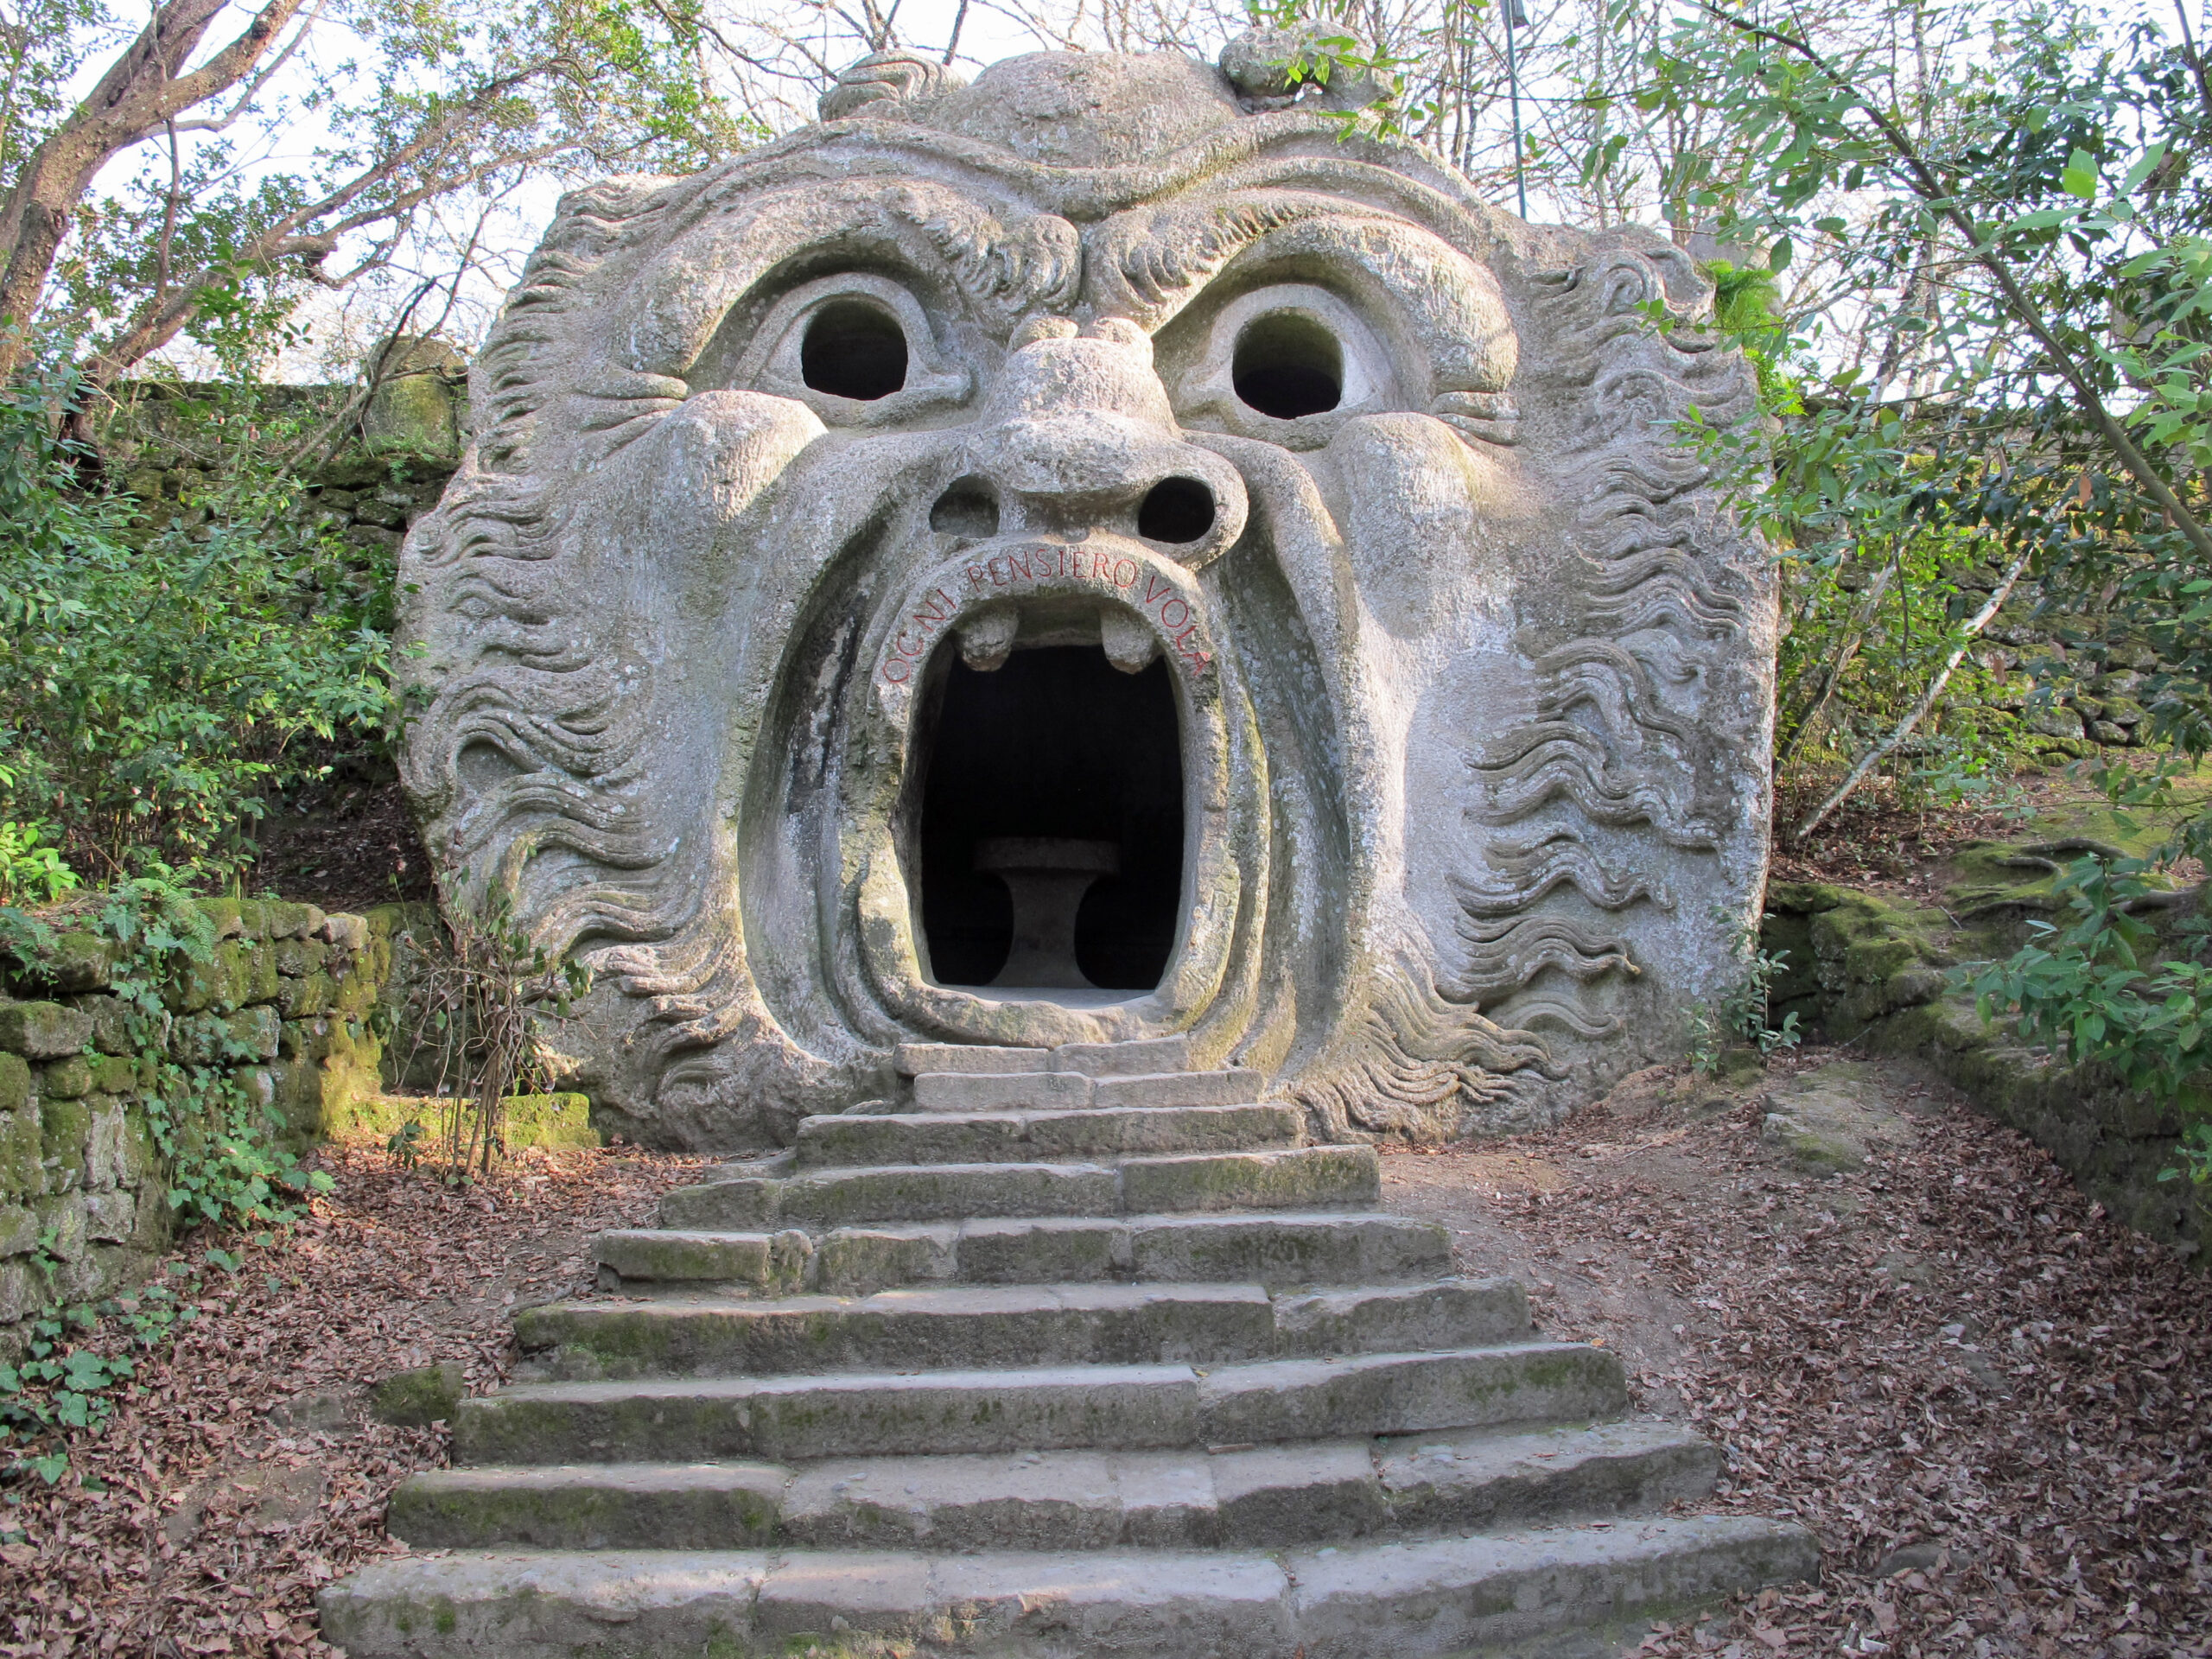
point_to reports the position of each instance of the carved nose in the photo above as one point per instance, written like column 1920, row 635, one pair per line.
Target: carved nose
column 1083, row 439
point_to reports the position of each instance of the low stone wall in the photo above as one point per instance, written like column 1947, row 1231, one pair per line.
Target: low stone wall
column 283, row 1008
column 1873, row 975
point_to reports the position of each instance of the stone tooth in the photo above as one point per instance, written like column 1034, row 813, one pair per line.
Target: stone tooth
column 1130, row 646
column 987, row 636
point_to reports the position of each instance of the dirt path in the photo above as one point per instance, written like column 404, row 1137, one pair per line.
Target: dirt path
column 238, row 1475
column 1903, row 1324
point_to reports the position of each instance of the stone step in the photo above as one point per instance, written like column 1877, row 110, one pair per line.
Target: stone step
column 1383, row 1599
column 1026, row 1326
column 1155, row 1054
column 689, row 1420
column 1014, row 1091
column 1302, row 1177
column 1274, row 1248
column 1267, row 1497
column 861, row 1139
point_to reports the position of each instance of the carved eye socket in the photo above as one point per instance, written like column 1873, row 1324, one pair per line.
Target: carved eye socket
column 853, row 349
column 1287, row 366
column 1287, row 362
column 856, row 347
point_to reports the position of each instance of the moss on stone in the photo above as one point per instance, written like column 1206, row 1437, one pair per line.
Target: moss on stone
column 1804, row 898
column 297, row 958
column 77, row 961
column 42, row 1031
column 15, row 1083
column 64, row 1128
column 111, row 1023
column 227, row 914
column 417, row 1398
column 288, row 921
column 69, row 1079
column 252, row 1034
column 22, row 1146
column 115, row 1074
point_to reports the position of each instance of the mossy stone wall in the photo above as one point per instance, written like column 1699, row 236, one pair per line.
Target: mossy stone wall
column 283, row 1006
column 1872, row 974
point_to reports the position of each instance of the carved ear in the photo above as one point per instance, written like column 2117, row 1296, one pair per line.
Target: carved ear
column 897, row 77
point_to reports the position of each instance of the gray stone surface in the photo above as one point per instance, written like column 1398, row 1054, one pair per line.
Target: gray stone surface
column 902, row 1330
column 985, row 1137
column 584, row 1506
column 1145, row 1055
column 988, row 1092
column 843, row 1412
column 1362, row 1600
column 1471, row 734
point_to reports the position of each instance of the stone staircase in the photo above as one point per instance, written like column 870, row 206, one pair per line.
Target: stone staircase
column 1069, row 1354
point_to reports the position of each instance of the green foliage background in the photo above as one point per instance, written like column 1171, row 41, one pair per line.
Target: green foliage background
column 156, row 684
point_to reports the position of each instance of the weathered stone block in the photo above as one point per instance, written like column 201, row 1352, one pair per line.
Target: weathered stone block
column 111, row 1217
column 296, row 958
column 22, row 1152
column 15, row 1083
column 18, row 1232
column 252, row 1034
column 1868, row 960
column 1048, row 1249
column 772, row 1263
column 23, row 1290
column 64, row 1127
column 61, row 1225
column 77, row 961
column 1310, row 1178
column 116, row 1074
column 307, row 1037
column 42, row 1031
column 1803, row 898
column 69, row 1079
column 258, row 975
column 291, row 921
column 228, row 915
column 429, row 1393
column 859, row 1260
column 117, row 1027
column 344, row 932
column 107, row 1158
column 197, row 1039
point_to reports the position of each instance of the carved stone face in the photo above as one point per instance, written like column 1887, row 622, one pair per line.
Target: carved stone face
column 1080, row 558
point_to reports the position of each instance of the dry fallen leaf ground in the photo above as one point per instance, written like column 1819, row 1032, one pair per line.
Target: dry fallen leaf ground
column 1988, row 1401
column 199, row 1523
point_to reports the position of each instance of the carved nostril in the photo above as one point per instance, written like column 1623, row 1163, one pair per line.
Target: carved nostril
column 968, row 508
column 1177, row 510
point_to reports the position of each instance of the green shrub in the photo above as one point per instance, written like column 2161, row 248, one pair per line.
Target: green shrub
column 2105, row 989
column 157, row 679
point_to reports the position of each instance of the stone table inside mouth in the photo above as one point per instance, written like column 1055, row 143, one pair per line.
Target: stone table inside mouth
column 1047, row 877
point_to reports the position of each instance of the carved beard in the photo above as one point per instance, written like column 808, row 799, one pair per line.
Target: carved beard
column 1467, row 736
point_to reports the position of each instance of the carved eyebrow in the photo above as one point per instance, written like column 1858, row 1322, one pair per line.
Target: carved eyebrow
column 1151, row 263
column 695, row 280
column 1148, row 261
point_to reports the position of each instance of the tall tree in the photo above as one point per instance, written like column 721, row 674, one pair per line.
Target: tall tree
column 400, row 106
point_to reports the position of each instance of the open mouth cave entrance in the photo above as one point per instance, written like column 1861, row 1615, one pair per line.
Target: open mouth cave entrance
column 1053, row 795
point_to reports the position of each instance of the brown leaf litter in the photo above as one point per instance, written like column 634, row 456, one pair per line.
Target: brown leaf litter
column 238, row 1475
column 1986, row 1399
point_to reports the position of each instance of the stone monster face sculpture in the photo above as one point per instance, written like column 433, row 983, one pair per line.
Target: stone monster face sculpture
column 1090, row 555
